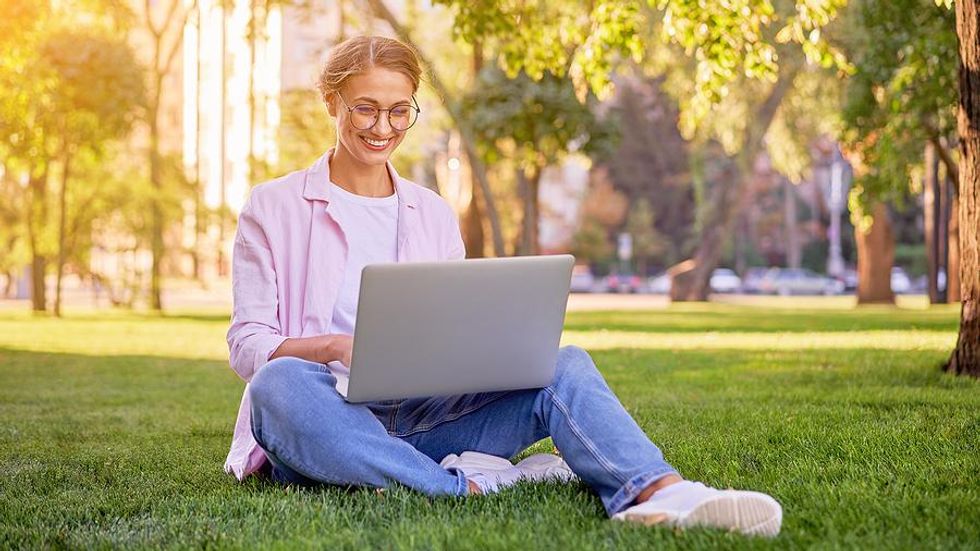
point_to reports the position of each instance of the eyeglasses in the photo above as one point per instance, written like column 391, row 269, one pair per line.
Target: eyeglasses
column 401, row 117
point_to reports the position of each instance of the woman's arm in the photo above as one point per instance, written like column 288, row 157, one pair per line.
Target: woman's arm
column 255, row 332
column 321, row 348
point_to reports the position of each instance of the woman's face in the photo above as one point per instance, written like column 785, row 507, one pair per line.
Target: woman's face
column 380, row 88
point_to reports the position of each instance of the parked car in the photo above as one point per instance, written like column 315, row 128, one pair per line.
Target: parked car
column 901, row 283
column 623, row 283
column 799, row 281
column 659, row 284
column 582, row 279
column 724, row 280
column 752, row 283
column 850, row 278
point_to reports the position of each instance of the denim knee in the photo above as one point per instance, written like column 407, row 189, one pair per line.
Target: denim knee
column 574, row 363
column 277, row 379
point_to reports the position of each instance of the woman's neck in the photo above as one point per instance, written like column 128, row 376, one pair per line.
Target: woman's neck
column 358, row 178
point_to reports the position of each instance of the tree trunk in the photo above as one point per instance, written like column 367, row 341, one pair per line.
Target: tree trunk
column 965, row 359
column 473, row 236
column 876, row 254
column 527, row 186
column 156, row 212
column 728, row 194
column 62, row 222
column 931, row 202
column 37, row 216
column 953, row 255
column 466, row 133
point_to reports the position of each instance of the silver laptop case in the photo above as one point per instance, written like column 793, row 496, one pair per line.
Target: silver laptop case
column 458, row 327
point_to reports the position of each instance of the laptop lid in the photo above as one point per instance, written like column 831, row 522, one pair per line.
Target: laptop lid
column 458, row 327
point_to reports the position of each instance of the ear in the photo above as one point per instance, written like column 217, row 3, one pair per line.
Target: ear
column 331, row 100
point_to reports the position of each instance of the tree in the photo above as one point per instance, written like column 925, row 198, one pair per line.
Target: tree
column 899, row 99
column 23, row 117
column 97, row 90
column 166, row 38
column 537, row 123
column 452, row 105
column 650, row 161
column 965, row 359
column 648, row 243
column 602, row 210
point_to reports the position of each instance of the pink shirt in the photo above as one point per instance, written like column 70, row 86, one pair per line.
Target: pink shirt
column 289, row 261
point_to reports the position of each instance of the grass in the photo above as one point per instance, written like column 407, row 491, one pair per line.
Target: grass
column 114, row 427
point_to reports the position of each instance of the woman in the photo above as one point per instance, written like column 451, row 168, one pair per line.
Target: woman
column 301, row 244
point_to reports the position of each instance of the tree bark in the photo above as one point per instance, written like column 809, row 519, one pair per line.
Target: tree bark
column 965, row 359
column 62, row 223
column 876, row 254
column 473, row 236
column 931, row 202
column 953, row 255
column 156, row 212
column 528, row 187
column 37, row 216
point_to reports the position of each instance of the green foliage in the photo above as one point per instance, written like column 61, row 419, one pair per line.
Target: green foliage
column 650, row 161
column 69, row 89
column 534, row 122
column 591, row 242
column 727, row 40
column 810, row 111
column 98, row 87
column 305, row 132
column 648, row 243
column 903, row 93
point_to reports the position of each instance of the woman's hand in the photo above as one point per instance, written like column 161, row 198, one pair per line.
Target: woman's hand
column 340, row 348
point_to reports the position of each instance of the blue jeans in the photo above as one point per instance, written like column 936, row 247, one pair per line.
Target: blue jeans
column 312, row 435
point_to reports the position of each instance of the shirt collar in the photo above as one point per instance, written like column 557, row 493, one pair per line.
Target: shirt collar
column 315, row 187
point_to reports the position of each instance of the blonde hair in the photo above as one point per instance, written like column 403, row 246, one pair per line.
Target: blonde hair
column 355, row 56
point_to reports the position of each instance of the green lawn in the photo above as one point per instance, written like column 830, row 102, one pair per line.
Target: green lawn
column 113, row 430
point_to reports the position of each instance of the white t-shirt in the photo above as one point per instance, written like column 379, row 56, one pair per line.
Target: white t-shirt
column 370, row 225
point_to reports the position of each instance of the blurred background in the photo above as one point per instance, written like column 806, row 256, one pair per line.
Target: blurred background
column 787, row 148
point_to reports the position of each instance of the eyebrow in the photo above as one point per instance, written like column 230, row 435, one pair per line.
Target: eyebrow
column 369, row 99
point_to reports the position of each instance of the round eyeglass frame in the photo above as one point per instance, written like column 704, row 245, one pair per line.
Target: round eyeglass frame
column 377, row 116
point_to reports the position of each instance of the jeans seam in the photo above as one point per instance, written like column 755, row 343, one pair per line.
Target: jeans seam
column 577, row 431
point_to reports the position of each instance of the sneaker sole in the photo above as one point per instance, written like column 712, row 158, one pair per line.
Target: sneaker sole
column 748, row 513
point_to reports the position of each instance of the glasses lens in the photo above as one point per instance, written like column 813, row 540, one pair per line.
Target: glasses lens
column 363, row 116
column 402, row 117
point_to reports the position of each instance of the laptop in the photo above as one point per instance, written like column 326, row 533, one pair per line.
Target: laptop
column 458, row 327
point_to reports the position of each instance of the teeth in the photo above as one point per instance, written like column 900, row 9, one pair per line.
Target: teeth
column 377, row 143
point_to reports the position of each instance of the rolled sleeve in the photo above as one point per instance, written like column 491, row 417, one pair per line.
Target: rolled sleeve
column 255, row 332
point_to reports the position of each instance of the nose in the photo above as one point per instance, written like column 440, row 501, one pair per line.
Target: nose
column 383, row 126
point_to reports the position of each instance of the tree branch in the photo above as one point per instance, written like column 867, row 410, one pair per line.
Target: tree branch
column 951, row 167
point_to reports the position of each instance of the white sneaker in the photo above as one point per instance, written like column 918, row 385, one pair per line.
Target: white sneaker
column 494, row 473
column 687, row 504
column 542, row 467
column 489, row 472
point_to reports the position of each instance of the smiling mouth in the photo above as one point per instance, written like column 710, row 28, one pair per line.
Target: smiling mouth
column 377, row 145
